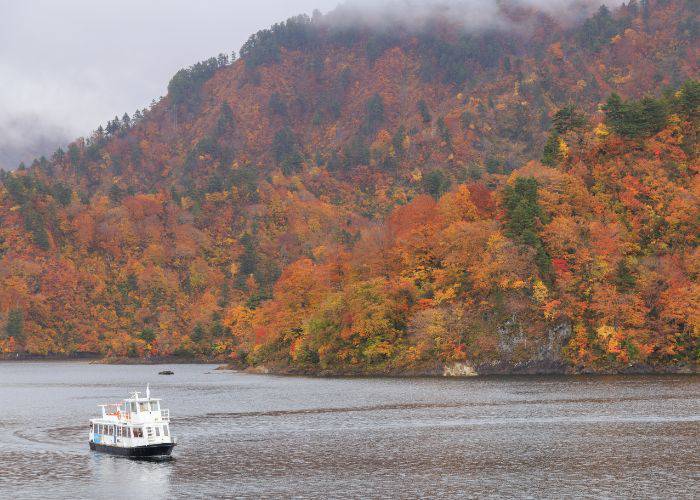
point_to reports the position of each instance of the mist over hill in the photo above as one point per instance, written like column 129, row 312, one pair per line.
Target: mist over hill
column 23, row 139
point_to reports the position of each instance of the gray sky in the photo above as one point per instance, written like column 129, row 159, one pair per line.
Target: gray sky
column 67, row 66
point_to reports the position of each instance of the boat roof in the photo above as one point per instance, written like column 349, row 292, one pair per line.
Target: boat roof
column 131, row 400
column 135, row 398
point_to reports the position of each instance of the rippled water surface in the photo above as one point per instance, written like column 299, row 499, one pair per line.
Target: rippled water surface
column 262, row 436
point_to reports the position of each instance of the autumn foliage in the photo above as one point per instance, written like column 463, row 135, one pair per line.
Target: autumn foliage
column 356, row 201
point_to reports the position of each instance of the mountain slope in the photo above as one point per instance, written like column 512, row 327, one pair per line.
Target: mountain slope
column 347, row 197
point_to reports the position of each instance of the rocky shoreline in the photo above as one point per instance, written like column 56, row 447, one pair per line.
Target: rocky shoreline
column 466, row 370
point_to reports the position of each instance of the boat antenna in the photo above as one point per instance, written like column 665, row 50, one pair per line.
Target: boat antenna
column 148, row 391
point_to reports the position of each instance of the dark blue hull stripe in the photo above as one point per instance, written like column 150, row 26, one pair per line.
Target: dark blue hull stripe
column 151, row 450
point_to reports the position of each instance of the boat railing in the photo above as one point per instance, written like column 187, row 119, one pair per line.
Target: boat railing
column 165, row 414
column 118, row 412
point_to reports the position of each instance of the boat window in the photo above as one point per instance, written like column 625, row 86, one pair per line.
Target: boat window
column 155, row 405
column 165, row 430
column 157, row 431
column 143, row 406
column 111, row 430
column 133, row 407
column 138, row 432
column 99, row 428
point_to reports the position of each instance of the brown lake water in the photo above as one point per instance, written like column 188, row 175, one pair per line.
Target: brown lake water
column 243, row 435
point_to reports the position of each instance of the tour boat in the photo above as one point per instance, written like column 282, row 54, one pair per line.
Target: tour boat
column 134, row 427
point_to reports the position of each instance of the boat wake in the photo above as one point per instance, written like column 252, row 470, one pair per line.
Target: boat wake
column 55, row 435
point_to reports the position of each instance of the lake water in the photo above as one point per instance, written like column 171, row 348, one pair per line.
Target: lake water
column 246, row 435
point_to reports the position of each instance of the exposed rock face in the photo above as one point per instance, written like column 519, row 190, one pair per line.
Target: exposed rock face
column 510, row 336
column 459, row 370
column 557, row 337
column 545, row 356
column 260, row 370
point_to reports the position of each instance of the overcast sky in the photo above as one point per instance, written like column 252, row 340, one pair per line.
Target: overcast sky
column 67, row 66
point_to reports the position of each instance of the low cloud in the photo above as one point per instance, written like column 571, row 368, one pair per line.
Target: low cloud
column 473, row 15
column 25, row 137
column 43, row 110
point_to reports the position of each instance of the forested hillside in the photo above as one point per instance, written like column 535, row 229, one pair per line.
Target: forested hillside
column 350, row 197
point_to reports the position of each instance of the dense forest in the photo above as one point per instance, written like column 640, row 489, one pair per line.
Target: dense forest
column 353, row 198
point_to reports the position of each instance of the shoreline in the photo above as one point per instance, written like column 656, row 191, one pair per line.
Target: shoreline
column 102, row 360
column 408, row 374
column 459, row 370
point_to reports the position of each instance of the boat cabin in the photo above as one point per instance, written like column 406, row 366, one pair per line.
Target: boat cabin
column 134, row 422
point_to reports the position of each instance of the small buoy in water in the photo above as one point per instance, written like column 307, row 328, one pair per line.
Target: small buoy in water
column 166, row 372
